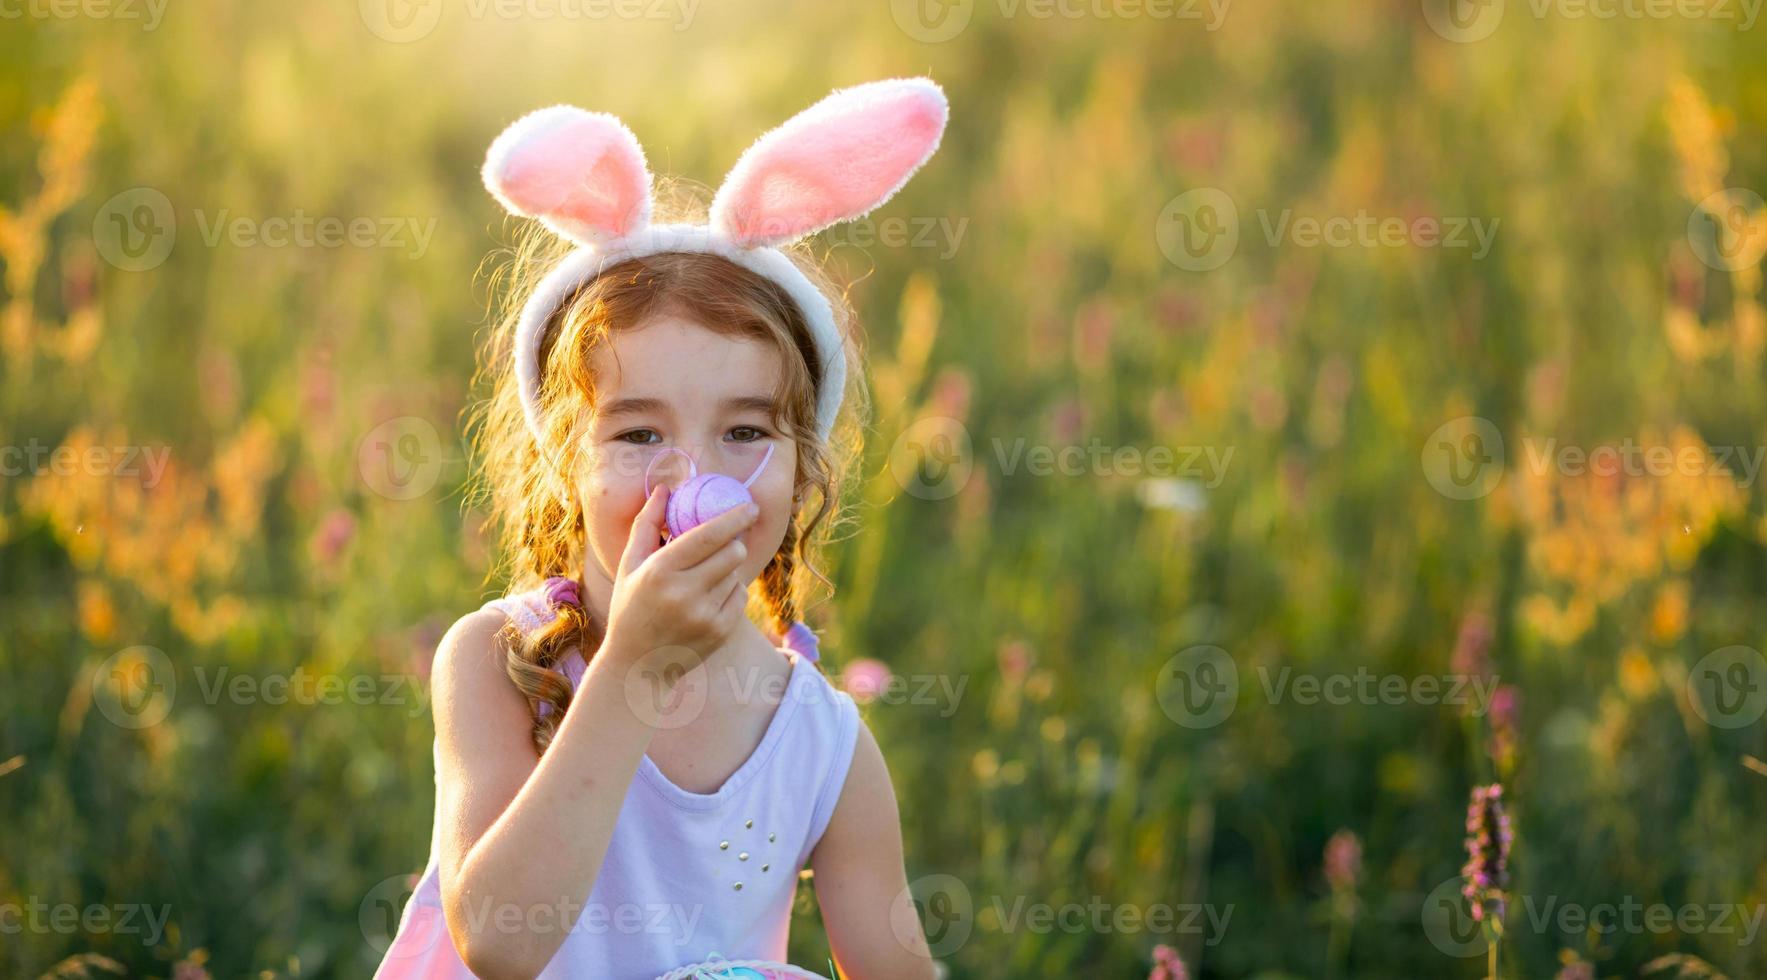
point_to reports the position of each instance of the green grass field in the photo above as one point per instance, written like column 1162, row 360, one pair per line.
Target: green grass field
column 1287, row 418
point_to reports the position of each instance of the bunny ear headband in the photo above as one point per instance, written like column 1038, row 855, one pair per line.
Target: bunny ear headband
column 583, row 175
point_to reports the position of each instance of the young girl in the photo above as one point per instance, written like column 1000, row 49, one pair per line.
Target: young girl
column 630, row 773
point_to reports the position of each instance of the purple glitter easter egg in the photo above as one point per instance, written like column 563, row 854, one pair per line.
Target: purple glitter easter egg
column 702, row 498
column 704, row 495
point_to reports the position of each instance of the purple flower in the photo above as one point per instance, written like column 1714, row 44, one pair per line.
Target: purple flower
column 1015, row 658
column 1343, row 860
column 1505, row 712
column 1167, row 965
column 865, row 678
column 1472, row 648
column 1487, row 851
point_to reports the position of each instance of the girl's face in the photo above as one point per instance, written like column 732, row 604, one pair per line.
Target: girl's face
column 671, row 382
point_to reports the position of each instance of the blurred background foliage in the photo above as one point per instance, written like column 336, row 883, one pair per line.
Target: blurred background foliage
column 310, row 519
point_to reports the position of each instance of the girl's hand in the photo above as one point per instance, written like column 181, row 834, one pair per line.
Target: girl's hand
column 675, row 603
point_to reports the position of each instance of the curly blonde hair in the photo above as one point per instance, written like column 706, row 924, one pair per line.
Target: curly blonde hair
column 529, row 487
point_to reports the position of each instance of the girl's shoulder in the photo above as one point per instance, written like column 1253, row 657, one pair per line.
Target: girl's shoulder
column 480, row 633
column 528, row 610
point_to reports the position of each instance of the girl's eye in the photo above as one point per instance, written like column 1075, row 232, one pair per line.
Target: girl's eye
column 641, row 437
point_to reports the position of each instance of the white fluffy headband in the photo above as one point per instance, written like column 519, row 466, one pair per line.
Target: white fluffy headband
column 583, row 175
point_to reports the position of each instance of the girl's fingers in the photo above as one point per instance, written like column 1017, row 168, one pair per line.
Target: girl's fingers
column 704, row 541
column 647, row 530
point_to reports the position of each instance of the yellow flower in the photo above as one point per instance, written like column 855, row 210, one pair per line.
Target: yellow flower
column 98, row 617
column 1668, row 617
column 1638, row 677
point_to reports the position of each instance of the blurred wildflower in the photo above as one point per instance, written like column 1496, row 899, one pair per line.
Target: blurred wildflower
column 1174, row 493
column 1638, row 676
column 1696, row 132
column 1343, row 860
column 1472, row 646
column 98, row 616
column 1487, row 848
column 192, row 967
column 1574, row 967
column 219, row 386
column 1268, row 407
column 897, row 380
column 175, row 536
column 865, row 678
column 1331, row 388
column 1165, row 409
column 1505, row 714
column 1095, row 324
column 82, row 965
column 951, row 394
column 1594, row 536
column 69, row 131
column 985, row 764
column 332, row 536
column 1343, row 866
column 1067, row 421
column 1668, row 615
column 1014, row 658
column 1167, row 965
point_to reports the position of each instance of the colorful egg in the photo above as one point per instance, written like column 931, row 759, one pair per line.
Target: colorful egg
column 703, row 496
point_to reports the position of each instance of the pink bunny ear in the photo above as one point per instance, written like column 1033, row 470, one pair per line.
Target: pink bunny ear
column 581, row 173
column 833, row 162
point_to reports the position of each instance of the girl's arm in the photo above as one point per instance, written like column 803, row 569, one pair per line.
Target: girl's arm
column 873, row 927
column 522, row 838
